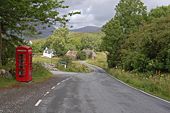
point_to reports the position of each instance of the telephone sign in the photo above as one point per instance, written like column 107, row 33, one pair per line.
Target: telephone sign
column 23, row 63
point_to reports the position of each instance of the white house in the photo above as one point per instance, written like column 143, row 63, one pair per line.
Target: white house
column 30, row 42
column 48, row 53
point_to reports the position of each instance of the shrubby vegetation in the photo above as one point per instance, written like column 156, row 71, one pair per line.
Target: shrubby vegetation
column 100, row 60
column 159, row 12
column 40, row 73
column 156, row 85
column 58, row 41
column 149, row 48
column 81, row 55
column 66, row 64
column 65, row 61
column 38, row 45
column 62, row 40
column 137, row 41
column 8, row 53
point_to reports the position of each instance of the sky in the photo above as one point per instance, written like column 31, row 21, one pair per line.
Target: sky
column 98, row 12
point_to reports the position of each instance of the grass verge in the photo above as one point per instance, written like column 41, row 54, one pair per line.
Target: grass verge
column 7, row 82
column 155, row 85
column 100, row 60
column 39, row 74
column 74, row 67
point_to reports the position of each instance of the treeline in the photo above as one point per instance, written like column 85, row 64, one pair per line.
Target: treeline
column 137, row 40
column 62, row 40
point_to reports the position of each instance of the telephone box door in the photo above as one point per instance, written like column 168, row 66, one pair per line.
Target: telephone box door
column 23, row 64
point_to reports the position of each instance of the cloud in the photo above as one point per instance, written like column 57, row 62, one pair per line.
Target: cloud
column 89, row 9
column 82, row 20
column 155, row 3
column 98, row 12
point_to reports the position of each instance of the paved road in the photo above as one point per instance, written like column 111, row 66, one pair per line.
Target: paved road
column 94, row 92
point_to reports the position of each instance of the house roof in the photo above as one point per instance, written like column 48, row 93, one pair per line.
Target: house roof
column 71, row 53
column 49, row 51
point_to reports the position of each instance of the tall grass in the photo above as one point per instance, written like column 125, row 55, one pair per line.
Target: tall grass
column 100, row 60
column 156, row 85
column 40, row 73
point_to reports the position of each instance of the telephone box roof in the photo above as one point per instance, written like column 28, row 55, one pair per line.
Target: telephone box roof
column 24, row 47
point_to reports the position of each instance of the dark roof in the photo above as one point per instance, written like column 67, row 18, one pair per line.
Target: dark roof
column 49, row 51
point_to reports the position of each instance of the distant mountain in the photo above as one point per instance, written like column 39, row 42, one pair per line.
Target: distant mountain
column 87, row 29
column 44, row 33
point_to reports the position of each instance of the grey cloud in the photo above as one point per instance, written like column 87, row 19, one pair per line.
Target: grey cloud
column 97, row 12
column 155, row 3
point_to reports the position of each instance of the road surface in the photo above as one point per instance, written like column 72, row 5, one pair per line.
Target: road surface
column 94, row 92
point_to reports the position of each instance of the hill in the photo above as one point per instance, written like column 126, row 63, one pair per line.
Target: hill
column 44, row 33
column 87, row 29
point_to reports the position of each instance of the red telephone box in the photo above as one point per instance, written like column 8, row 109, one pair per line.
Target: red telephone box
column 23, row 63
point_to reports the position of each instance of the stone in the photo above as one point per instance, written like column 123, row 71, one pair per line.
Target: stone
column 2, row 71
column 8, row 75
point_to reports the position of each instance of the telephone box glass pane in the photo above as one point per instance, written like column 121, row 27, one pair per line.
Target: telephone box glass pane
column 21, row 73
column 21, row 65
column 30, row 65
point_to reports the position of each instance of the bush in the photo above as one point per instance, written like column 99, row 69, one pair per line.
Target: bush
column 81, row 55
column 65, row 60
column 135, row 61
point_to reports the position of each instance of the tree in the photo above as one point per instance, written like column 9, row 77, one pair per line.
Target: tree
column 130, row 14
column 80, row 41
column 18, row 16
column 58, row 41
column 149, row 47
column 112, row 41
column 38, row 46
column 90, row 42
column 8, row 52
column 159, row 12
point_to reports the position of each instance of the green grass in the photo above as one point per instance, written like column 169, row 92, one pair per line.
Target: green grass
column 74, row 67
column 4, row 82
column 101, row 60
column 40, row 74
column 156, row 85
column 40, row 59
